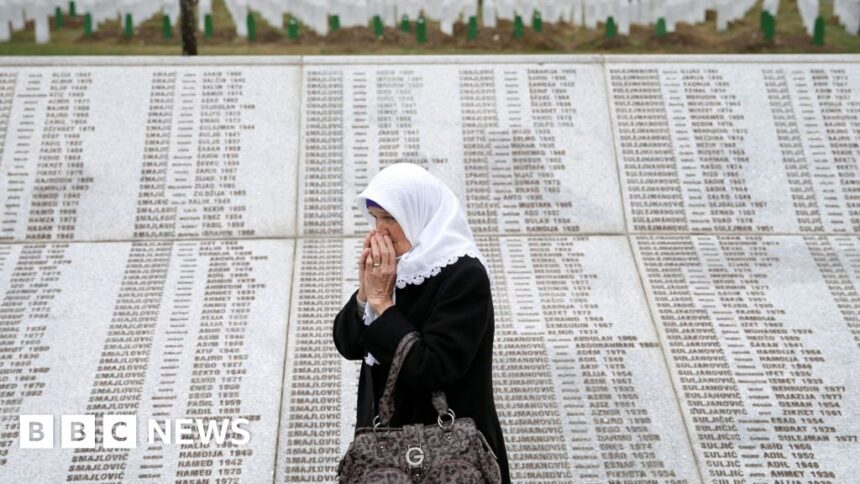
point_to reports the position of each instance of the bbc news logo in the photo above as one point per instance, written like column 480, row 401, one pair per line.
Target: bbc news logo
column 120, row 431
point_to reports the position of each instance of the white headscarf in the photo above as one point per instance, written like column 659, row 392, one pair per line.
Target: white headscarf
column 431, row 218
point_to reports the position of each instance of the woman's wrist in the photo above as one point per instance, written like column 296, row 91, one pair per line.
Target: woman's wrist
column 359, row 305
column 379, row 307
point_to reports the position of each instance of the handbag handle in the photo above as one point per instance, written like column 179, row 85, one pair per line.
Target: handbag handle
column 386, row 403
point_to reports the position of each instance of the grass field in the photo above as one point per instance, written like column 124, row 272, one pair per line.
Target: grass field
column 742, row 36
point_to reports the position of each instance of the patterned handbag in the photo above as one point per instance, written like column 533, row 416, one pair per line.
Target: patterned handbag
column 452, row 450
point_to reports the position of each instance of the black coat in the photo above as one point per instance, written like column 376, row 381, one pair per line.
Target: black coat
column 453, row 312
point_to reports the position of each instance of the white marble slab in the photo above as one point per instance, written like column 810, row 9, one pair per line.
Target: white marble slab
column 127, row 152
column 319, row 386
column 187, row 329
column 738, row 147
column 573, row 338
column 762, row 338
column 526, row 148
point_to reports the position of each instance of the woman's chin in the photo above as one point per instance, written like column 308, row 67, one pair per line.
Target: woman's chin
column 398, row 250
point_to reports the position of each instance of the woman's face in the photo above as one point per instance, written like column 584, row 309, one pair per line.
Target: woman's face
column 386, row 225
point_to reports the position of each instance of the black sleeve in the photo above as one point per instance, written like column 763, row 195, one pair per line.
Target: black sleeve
column 348, row 326
column 450, row 337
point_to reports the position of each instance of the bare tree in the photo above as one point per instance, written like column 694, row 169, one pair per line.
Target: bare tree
column 188, row 26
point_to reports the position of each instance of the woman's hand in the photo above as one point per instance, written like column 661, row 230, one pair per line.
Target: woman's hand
column 362, row 259
column 379, row 280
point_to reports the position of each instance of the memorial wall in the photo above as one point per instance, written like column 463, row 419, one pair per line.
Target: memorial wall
column 674, row 241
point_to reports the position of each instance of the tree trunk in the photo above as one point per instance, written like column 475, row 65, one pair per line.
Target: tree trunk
column 188, row 26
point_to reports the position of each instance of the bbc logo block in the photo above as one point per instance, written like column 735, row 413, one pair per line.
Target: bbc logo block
column 120, row 431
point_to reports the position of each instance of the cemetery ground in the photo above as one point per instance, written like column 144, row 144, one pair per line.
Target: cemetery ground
column 742, row 36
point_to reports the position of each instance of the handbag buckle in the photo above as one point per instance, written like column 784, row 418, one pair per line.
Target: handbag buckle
column 378, row 423
column 450, row 424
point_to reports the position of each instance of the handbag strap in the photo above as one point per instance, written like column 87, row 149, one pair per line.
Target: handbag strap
column 386, row 403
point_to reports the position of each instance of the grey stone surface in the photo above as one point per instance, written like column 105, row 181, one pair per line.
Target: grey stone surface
column 762, row 339
column 189, row 329
column 576, row 361
column 711, row 147
column 526, row 148
column 127, row 152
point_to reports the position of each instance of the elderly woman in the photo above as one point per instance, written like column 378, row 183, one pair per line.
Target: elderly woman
column 420, row 270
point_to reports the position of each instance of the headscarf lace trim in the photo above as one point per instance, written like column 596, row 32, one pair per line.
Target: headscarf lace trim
column 435, row 268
